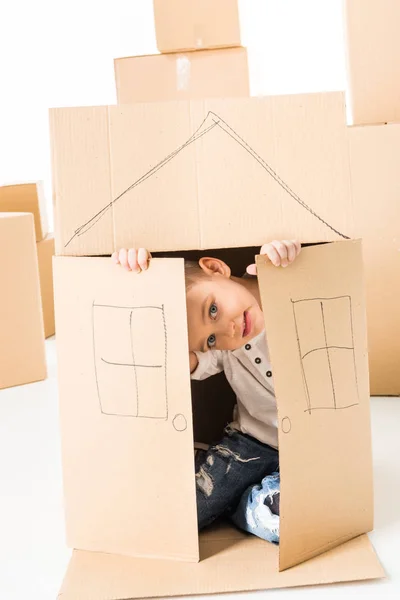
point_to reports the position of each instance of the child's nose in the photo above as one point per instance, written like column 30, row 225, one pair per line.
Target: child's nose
column 233, row 328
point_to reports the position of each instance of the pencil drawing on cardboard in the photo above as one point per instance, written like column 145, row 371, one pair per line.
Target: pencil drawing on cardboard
column 130, row 347
column 325, row 338
column 210, row 123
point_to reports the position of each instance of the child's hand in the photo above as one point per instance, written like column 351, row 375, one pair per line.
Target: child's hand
column 132, row 259
column 279, row 253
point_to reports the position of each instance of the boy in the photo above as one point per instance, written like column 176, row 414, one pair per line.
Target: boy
column 227, row 333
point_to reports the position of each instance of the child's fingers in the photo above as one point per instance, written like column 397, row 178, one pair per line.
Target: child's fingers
column 291, row 249
column 272, row 253
column 115, row 257
column 123, row 258
column 143, row 258
column 282, row 251
column 252, row 269
column 132, row 260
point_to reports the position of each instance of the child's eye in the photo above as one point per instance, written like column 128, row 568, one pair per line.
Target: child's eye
column 213, row 311
column 211, row 340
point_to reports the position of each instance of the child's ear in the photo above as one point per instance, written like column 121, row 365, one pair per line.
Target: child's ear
column 212, row 266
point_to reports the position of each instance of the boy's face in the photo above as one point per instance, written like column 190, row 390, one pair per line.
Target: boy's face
column 223, row 314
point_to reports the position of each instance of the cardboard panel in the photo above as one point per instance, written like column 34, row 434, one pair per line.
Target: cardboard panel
column 315, row 318
column 230, row 562
column 22, row 354
column 26, row 197
column 203, row 74
column 374, row 153
column 45, row 252
column 125, row 408
column 373, row 60
column 282, row 163
column 76, row 188
column 182, row 25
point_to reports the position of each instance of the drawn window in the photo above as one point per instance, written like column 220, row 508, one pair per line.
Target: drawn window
column 130, row 347
column 324, row 329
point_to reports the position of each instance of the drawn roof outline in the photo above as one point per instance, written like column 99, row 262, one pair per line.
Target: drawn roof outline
column 211, row 121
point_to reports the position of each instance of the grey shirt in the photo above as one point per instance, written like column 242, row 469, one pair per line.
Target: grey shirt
column 248, row 370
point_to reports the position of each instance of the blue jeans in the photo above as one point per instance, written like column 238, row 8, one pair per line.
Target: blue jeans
column 258, row 509
column 229, row 470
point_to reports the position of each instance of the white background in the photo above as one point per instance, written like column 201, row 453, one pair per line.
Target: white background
column 60, row 53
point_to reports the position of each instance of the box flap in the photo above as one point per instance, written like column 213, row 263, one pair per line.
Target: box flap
column 26, row 197
column 316, row 329
column 229, row 564
column 235, row 172
column 127, row 437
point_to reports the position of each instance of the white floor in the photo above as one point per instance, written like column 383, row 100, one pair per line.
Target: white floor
column 33, row 556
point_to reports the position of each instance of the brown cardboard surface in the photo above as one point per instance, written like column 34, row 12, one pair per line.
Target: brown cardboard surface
column 22, row 355
column 203, row 74
column 125, row 408
column 316, row 328
column 182, row 25
column 26, row 197
column 281, row 161
column 374, row 154
column 373, row 60
column 45, row 251
column 230, row 562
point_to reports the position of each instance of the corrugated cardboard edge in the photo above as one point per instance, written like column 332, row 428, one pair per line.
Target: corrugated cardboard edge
column 238, row 564
column 45, row 250
column 179, row 52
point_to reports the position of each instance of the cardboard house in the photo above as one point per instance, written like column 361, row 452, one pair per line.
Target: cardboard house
column 183, row 179
column 307, row 183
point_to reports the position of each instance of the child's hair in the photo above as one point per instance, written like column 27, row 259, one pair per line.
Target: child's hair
column 193, row 272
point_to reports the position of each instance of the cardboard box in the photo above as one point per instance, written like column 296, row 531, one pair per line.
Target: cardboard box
column 374, row 153
column 373, row 60
column 22, row 355
column 123, row 452
column 45, row 251
column 205, row 74
column 282, row 161
column 26, row 197
column 197, row 25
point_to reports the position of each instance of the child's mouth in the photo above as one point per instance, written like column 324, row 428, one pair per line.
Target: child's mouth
column 246, row 324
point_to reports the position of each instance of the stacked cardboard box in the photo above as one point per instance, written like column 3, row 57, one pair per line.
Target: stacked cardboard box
column 201, row 55
column 22, row 356
column 217, row 175
column 29, row 197
column 26, row 306
column 373, row 61
column 182, row 25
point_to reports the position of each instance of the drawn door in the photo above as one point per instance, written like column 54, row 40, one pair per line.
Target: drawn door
column 125, row 407
column 316, row 329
